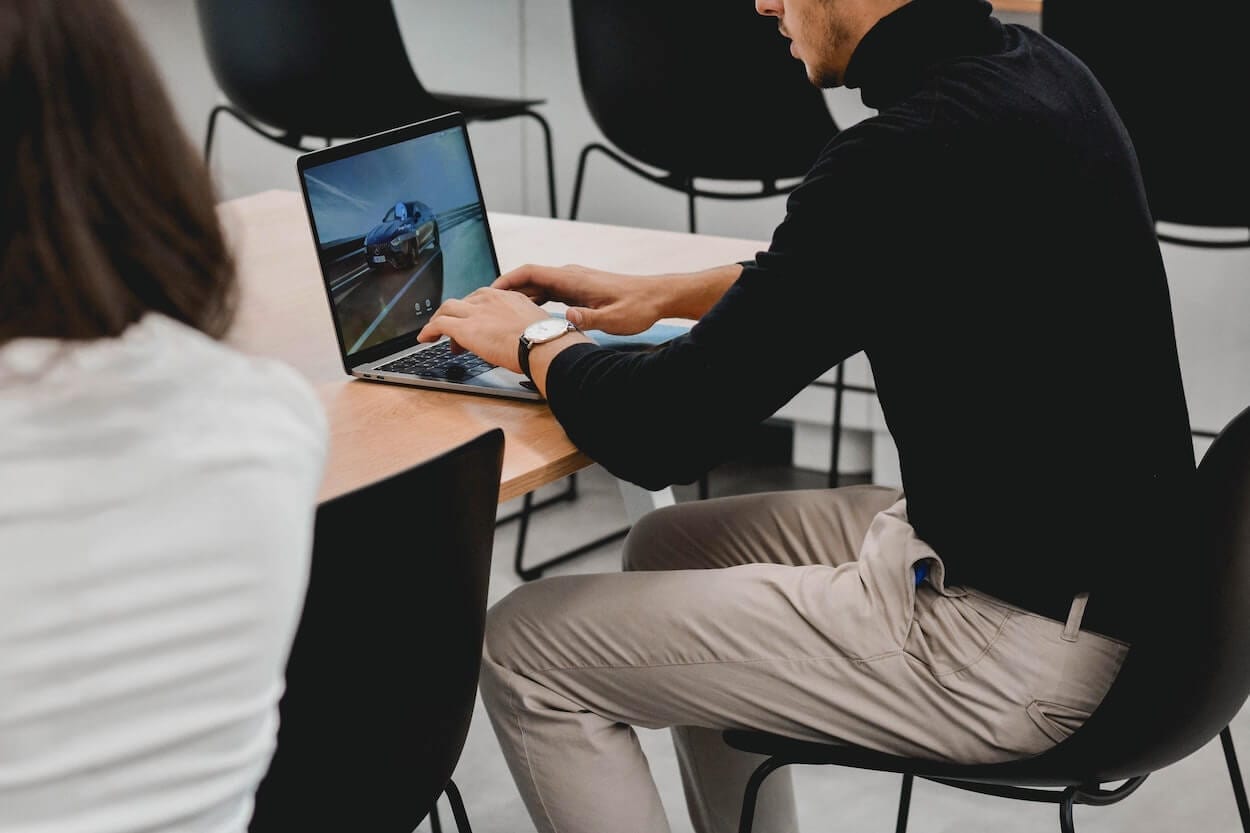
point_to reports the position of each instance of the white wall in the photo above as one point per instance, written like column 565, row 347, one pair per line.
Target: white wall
column 515, row 47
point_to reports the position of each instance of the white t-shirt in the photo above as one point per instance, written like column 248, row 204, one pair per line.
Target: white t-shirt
column 157, row 494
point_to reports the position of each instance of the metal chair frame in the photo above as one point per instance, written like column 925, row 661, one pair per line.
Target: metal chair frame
column 675, row 181
column 1090, row 794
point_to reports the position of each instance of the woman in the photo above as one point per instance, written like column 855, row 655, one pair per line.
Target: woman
column 157, row 489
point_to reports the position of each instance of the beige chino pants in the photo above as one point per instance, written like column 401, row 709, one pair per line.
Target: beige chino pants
column 795, row 613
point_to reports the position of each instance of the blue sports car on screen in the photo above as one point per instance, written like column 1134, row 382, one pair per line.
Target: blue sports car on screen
column 408, row 229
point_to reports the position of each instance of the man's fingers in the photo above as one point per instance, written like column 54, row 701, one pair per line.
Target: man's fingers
column 439, row 326
column 455, row 307
column 488, row 295
column 582, row 318
column 518, row 277
column 539, row 282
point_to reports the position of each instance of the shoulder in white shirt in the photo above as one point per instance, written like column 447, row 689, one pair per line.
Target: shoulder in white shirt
column 157, row 495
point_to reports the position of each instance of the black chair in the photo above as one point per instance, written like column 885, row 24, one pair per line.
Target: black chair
column 1185, row 120
column 1173, row 695
column 382, row 676
column 711, row 93
column 333, row 69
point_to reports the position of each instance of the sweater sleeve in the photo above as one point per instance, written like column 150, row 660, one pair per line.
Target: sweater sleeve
column 667, row 416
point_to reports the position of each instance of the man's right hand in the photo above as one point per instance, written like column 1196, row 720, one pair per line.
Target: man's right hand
column 621, row 304
column 607, row 301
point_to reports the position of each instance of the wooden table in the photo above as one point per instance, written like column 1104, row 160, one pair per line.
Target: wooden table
column 378, row 429
column 1025, row 6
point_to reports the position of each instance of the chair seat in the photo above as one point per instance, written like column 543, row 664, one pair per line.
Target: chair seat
column 487, row 107
column 374, row 118
column 428, row 104
column 1036, row 771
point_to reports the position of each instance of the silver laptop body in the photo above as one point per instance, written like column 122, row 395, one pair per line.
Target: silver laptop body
column 400, row 226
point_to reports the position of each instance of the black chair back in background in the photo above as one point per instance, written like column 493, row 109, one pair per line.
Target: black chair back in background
column 333, row 69
column 701, row 88
column 1176, row 74
column 1178, row 689
column 383, row 672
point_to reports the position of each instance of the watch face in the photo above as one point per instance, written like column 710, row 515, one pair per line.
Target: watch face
column 541, row 331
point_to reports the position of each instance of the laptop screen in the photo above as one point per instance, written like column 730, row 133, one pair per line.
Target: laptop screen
column 400, row 226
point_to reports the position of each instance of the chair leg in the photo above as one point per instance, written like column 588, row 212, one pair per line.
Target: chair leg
column 569, row 493
column 577, row 180
column 292, row 140
column 212, row 125
column 527, row 509
column 835, row 439
column 1066, row 824
column 1234, row 772
column 523, row 528
column 690, row 203
column 751, row 795
column 536, row 571
column 436, row 826
column 904, row 804
column 457, row 808
column 551, row 164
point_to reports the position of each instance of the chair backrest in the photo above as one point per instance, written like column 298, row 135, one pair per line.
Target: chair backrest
column 1175, row 73
column 1189, row 676
column 699, row 88
column 333, row 68
column 383, row 672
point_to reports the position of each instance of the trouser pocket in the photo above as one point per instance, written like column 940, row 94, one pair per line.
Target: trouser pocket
column 1056, row 720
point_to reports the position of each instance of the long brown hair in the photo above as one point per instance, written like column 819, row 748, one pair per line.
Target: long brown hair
column 106, row 210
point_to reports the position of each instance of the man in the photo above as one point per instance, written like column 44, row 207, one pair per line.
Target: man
column 991, row 219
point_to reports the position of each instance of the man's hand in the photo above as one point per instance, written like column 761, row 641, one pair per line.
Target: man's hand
column 614, row 303
column 487, row 322
column 621, row 304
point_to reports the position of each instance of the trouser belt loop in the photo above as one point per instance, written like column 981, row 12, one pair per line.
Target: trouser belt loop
column 1075, row 615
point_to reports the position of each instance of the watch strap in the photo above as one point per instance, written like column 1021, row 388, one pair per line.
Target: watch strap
column 523, row 356
column 524, row 344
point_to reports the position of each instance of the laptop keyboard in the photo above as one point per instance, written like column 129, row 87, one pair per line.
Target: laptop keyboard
column 438, row 362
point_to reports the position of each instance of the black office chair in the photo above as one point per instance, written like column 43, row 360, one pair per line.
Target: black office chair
column 333, row 69
column 711, row 92
column 1173, row 695
column 382, row 677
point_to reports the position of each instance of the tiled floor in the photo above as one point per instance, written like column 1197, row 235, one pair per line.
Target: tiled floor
column 1193, row 795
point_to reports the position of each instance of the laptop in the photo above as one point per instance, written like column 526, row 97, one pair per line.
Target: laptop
column 400, row 226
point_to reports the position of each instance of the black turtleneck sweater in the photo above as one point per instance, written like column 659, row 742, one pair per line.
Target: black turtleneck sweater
column 985, row 240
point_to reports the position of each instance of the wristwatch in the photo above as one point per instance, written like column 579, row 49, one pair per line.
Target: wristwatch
column 539, row 332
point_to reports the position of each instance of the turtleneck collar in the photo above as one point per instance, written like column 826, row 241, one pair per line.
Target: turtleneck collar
column 891, row 59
